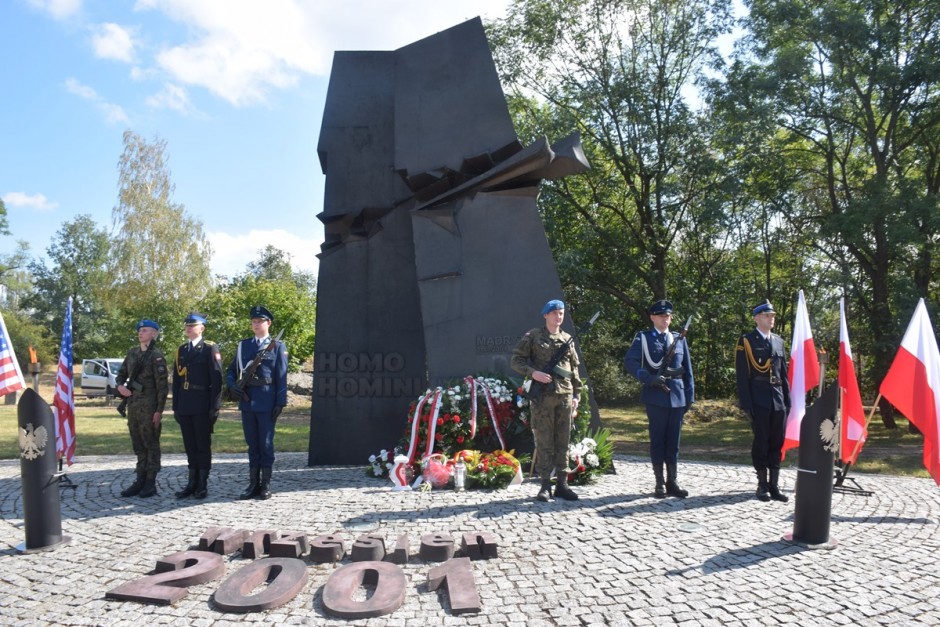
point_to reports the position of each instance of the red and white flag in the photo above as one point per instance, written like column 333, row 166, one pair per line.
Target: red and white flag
column 852, row 428
column 803, row 374
column 11, row 377
column 64, row 401
column 913, row 384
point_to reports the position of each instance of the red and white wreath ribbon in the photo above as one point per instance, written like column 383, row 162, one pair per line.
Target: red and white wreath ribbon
column 474, row 384
column 432, row 423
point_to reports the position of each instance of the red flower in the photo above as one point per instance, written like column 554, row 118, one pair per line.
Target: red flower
column 459, row 439
column 456, row 418
column 439, row 437
column 440, row 421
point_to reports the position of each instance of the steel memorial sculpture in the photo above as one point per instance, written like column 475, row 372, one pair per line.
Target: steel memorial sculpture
column 435, row 259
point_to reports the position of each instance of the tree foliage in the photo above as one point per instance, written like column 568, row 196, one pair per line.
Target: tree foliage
column 271, row 282
column 80, row 256
column 160, row 256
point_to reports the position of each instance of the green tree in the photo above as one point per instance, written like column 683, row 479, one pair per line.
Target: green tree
column 623, row 73
column 160, row 256
column 847, row 90
column 270, row 281
column 80, row 259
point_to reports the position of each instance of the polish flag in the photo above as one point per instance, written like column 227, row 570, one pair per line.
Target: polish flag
column 913, row 384
column 852, row 430
column 803, row 374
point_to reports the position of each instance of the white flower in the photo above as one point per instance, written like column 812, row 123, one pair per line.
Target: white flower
column 389, row 465
column 589, row 443
column 592, row 460
column 371, row 459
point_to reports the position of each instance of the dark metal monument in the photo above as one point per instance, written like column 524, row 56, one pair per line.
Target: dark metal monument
column 435, row 260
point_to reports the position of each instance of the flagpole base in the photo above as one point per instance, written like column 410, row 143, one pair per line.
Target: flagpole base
column 828, row 545
column 22, row 550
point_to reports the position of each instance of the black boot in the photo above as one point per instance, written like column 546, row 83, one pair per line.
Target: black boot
column 775, row 492
column 150, row 486
column 202, row 476
column 672, row 487
column 190, row 486
column 135, row 488
column 254, row 485
column 545, row 492
column 763, row 489
column 562, row 491
column 264, row 491
column 660, row 491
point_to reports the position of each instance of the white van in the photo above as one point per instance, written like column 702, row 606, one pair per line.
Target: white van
column 99, row 376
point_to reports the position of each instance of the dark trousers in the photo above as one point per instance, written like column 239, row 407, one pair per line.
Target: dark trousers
column 768, row 426
column 258, row 427
column 665, row 427
column 197, row 440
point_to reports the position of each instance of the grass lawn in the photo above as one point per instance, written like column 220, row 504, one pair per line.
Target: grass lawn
column 713, row 431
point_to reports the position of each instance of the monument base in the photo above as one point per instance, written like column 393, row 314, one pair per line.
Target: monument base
column 828, row 545
column 22, row 550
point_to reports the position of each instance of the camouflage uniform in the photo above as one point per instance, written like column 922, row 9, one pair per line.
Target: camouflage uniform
column 551, row 412
column 141, row 406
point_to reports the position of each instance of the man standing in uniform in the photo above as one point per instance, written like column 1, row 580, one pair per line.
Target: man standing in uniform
column 262, row 400
column 143, row 381
column 557, row 402
column 760, row 364
column 667, row 397
column 197, row 397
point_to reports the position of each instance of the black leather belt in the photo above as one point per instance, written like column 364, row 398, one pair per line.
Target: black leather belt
column 259, row 381
column 772, row 380
column 192, row 386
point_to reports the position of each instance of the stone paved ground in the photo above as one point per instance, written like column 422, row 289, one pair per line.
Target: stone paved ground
column 615, row 557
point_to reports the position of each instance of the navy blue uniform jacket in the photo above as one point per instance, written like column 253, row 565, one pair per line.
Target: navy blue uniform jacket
column 197, row 379
column 269, row 388
column 681, row 388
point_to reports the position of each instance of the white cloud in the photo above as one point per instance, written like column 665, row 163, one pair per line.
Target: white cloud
column 171, row 97
column 112, row 41
column 80, row 90
column 241, row 49
column 113, row 113
column 59, row 9
column 36, row 202
column 231, row 254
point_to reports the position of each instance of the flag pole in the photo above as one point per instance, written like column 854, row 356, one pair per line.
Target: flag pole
column 840, row 476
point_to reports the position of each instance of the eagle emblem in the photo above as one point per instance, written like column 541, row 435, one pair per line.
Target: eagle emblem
column 829, row 434
column 33, row 441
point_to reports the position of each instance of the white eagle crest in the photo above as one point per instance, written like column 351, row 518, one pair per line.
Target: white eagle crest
column 829, row 434
column 33, row 441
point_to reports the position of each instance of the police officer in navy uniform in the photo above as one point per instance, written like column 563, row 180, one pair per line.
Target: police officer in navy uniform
column 197, row 397
column 760, row 365
column 667, row 397
column 262, row 399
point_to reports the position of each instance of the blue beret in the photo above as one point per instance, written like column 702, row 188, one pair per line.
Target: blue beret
column 660, row 307
column 552, row 305
column 147, row 323
column 764, row 307
column 195, row 318
column 260, row 312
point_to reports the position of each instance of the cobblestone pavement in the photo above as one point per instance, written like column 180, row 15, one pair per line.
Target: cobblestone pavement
column 616, row 557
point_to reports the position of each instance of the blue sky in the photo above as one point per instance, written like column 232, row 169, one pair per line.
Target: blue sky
column 235, row 87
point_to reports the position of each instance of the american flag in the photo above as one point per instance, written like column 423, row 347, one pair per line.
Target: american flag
column 64, row 401
column 11, row 378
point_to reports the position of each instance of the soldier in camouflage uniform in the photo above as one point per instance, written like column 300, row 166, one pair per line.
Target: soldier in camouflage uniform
column 556, row 405
column 143, row 381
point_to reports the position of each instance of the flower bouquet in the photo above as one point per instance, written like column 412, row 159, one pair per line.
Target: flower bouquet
column 590, row 457
column 437, row 470
column 495, row 470
column 380, row 464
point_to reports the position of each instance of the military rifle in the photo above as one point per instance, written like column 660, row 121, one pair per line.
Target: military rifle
column 238, row 393
column 660, row 380
column 536, row 388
